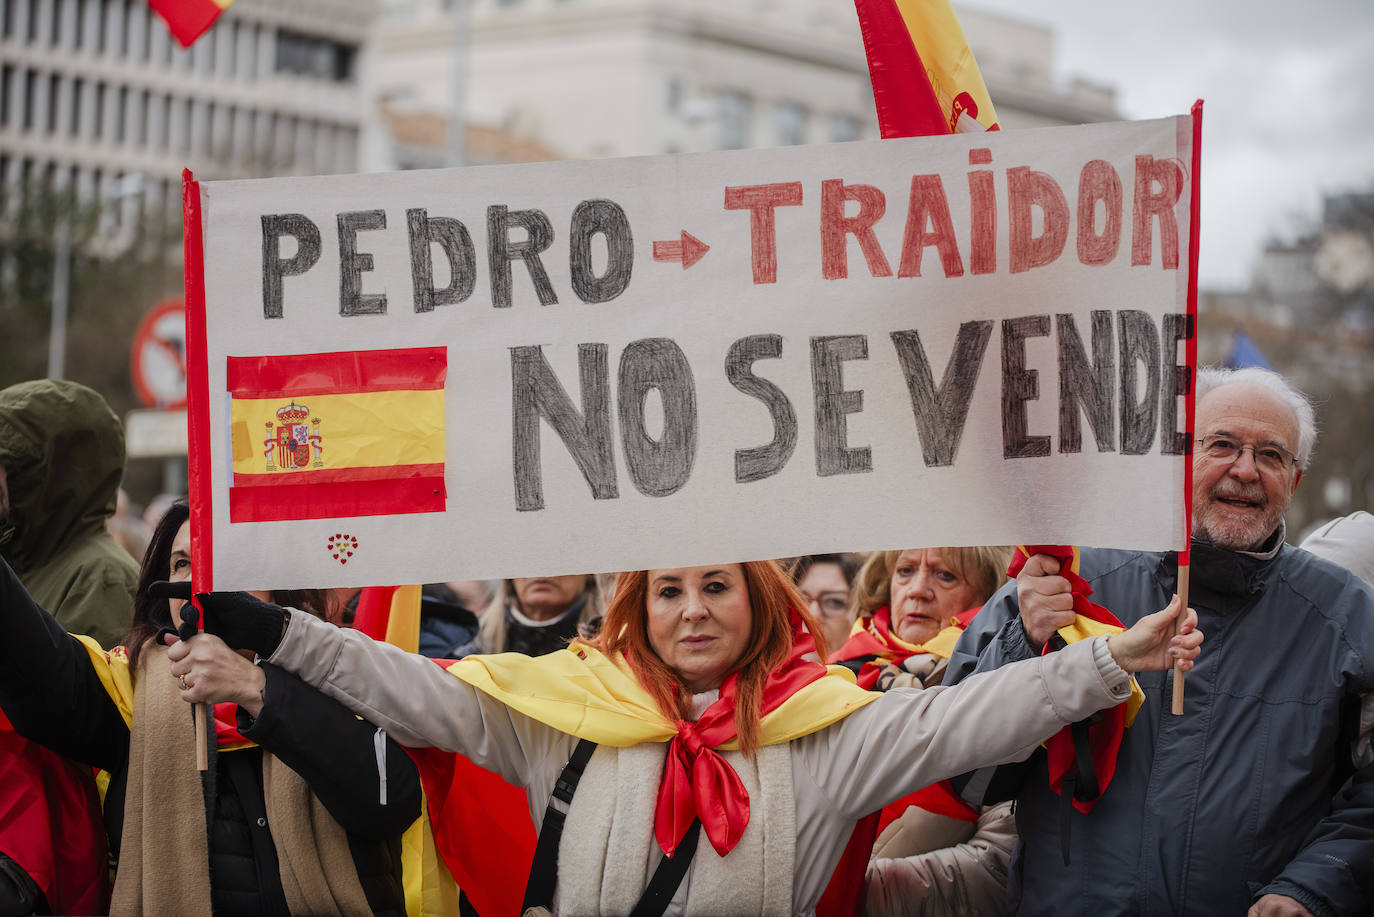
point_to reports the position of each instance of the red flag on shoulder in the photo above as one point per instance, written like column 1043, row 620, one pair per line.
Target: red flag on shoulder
column 1108, row 727
column 50, row 824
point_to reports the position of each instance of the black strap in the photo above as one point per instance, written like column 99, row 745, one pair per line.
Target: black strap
column 543, row 878
column 1079, row 784
column 1087, row 790
column 668, row 876
column 544, row 870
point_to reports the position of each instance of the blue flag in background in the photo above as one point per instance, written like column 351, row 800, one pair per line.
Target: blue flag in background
column 1244, row 353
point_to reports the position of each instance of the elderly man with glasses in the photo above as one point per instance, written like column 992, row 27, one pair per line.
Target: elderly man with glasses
column 1260, row 798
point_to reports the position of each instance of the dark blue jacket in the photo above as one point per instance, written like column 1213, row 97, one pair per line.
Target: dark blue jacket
column 1253, row 790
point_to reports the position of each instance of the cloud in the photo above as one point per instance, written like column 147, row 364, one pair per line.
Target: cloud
column 1288, row 116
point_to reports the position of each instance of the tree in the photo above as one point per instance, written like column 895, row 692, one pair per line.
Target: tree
column 117, row 274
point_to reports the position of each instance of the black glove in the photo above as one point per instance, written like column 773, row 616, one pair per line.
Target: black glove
column 243, row 622
column 190, row 616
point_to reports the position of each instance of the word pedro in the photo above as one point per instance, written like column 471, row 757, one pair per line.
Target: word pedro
column 1157, row 185
column 1128, row 380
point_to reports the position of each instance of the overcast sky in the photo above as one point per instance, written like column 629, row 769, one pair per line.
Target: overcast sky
column 1289, row 92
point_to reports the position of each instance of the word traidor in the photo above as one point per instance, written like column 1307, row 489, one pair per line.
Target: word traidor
column 1126, row 382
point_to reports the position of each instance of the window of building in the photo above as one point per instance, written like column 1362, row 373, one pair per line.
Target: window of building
column 34, row 8
column 7, row 13
column 121, row 110
column 98, row 122
column 116, row 28
column 50, row 122
column 161, row 138
column 736, row 110
column 30, row 95
column 844, row 128
column 673, row 98
column 791, row 124
column 142, row 112
column 6, row 81
column 103, row 42
column 312, row 56
column 181, row 133
column 78, row 99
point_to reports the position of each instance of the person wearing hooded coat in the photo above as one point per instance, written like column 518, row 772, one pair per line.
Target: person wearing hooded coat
column 61, row 460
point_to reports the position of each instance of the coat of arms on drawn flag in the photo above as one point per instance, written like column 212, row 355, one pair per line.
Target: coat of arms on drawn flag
column 292, row 440
column 385, row 410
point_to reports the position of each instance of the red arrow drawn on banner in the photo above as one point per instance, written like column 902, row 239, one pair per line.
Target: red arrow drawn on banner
column 689, row 250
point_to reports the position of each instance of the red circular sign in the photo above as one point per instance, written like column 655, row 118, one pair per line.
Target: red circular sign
column 159, row 356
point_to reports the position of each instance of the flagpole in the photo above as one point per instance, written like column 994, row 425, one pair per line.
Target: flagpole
column 1183, row 570
column 1190, row 396
column 197, row 423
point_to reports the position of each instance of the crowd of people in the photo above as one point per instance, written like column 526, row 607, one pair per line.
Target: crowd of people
column 975, row 745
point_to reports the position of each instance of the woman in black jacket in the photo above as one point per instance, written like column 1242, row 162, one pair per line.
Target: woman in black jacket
column 304, row 805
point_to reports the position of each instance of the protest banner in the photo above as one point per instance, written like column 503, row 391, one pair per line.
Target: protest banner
column 586, row 366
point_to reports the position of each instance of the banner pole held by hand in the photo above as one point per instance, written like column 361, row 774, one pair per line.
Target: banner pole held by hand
column 190, row 626
column 1183, row 569
column 1190, row 390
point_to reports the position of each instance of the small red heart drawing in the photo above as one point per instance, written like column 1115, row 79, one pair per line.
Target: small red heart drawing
column 341, row 547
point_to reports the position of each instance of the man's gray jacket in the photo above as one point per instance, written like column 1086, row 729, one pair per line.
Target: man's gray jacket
column 1264, row 785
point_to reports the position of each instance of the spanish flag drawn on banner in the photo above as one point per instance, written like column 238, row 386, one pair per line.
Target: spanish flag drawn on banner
column 925, row 80
column 189, row 19
column 335, row 435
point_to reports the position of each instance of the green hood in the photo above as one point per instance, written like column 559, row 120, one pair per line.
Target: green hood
column 63, row 453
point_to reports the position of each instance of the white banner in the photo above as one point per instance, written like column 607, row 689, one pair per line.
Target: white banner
column 621, row 364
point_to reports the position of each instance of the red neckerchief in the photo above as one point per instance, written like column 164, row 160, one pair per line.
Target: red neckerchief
column 697, row 781
column 877, row 639
column 1106, row 733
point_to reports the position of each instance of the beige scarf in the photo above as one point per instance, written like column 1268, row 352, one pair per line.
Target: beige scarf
column 164, row 851
column 608, row 852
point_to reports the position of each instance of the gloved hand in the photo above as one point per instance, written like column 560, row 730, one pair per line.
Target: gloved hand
column 190, row 615
column 237, row 618
column 244, row 622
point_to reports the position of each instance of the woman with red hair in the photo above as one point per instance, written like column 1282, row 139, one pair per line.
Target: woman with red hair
column 771, row 756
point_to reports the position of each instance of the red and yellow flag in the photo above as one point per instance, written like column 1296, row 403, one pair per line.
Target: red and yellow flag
column 925, row 80
column 335, row 435
column 50, row 824
column 189, row 19
column 1109, row 727
column 486, row 842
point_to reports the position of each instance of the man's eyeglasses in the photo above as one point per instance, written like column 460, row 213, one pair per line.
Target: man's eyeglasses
column 1269, row 457
column 830, row 603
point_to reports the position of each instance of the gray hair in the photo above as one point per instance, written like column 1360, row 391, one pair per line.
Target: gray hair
column 491, row 630
column 1214, row 377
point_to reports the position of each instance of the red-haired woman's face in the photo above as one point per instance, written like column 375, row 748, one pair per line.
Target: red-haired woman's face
column 699, row 621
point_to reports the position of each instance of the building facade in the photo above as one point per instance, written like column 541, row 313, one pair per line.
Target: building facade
column 95, row 91
column 599, row 78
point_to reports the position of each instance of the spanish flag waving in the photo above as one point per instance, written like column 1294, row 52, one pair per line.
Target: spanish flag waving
column 925, row 80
